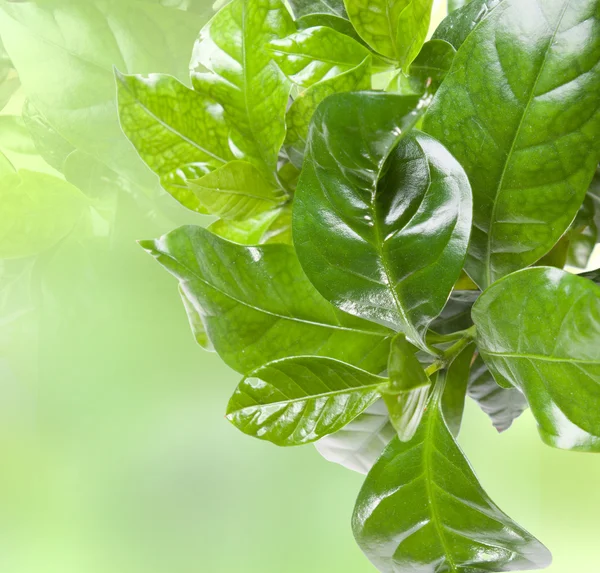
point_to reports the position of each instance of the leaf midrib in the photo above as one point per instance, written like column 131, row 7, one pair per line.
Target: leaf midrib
column 507, row 162
column 541, row 358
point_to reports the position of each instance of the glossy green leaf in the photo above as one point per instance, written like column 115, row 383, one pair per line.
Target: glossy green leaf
column 195, row 320
column 301, row 112
column 178, row 141
column 462, row 20
column 455, row 391
column 520, row 110
column 358, row 445
column 258, row 306
column 369, row 199
column 316, row 54
column 408, row 389
column 307, row 7
column 80, row 43
column 14, row 135
column 280, row 230
column 427, row 71
column 248, row 232
column 296, row 401
column 236, row 191
column 539, row 330
column 393, row 28
column 456, row 315
column 38, row 210
column 502, row 405
column 243, row 77
column 422, row 509
column 312, row 13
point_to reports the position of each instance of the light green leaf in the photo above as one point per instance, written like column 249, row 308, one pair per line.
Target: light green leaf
column 38, row 210
column 456, row 4
column 520, row 110
column 583, row 235
column 300, row 114
column 280, row 231
column 6, row 167
column 180, row 134
column 236, row 191
column 406, row 394
column 422, row 509
column 196, row 324
column 358, row 445
column 243, row 78
column 502, row 405
column 308, row 7
column 14, row 136
column 79, row 43
column 381, row 219
column 317, row 54
column 257, row 305
column 455, row 391
column 393, row 28
column 296, row 401
column 539, row 330
column 248, row 232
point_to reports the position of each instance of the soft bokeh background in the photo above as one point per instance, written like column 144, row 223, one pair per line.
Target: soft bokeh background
column 115, row 454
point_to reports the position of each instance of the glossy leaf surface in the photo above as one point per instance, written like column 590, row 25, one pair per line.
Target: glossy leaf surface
column 393, row 28
column 236, row 191
column 369, row 199
column 455, row 390
column 358, row 445
column 520, row 110
column 408, row 389
column 258, row 306
column 177, row 132
column 539, row 330
column 422, row 509
column 502, row 405
column 296, row 401
column 243, row 77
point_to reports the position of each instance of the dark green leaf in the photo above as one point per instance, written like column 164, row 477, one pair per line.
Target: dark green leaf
column 455, row 391
column 395, row 29
column 359, row 445
column 520, row 110
column 422, row 509
column 539, row 330
column 457, row 312
column 369, row 199
column 258, row 306
column 341, row 25
column 406, row 394
column 296, row 401
column 243, row 77
column 592, row 275
column 502, row 405
column 456, row 27
column 177, row 141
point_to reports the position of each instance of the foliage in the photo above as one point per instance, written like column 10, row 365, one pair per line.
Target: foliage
column 419, row 215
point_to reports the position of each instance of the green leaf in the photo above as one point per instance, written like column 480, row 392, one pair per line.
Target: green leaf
column 369, row 199
column 455, row 391
column 422, row 509
column 236, row 191
column 502, row 405
column 395, row 29
column 6, row 167
column 583, row 235
column 243, row 77
column 15, row 136
column 520, row 110
column 178, row 141
column 80, row 43
column 53, row 148
column 296, row 401
column 248, row 232
column 457, row 26
column 456, row 4
column 196, row 324
column 358, row 446
column 317, row 54
column 592, row 275
column 302, row 8
column 406, row 394
column 280, row 230
column 539, row 330
column 456, row 315
column 427, row 71
column 38, row 210
column 301, row 112
column 257, row 305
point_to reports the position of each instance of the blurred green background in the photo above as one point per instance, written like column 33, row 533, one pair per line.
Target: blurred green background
column 115, row 452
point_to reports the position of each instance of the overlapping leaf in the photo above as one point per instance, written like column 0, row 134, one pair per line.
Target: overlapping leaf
column 257, row 305
column 539, row 330
column 422, row 509
column 455, row 391
column 378, row 214
column 296, row 401
column 520, row 110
